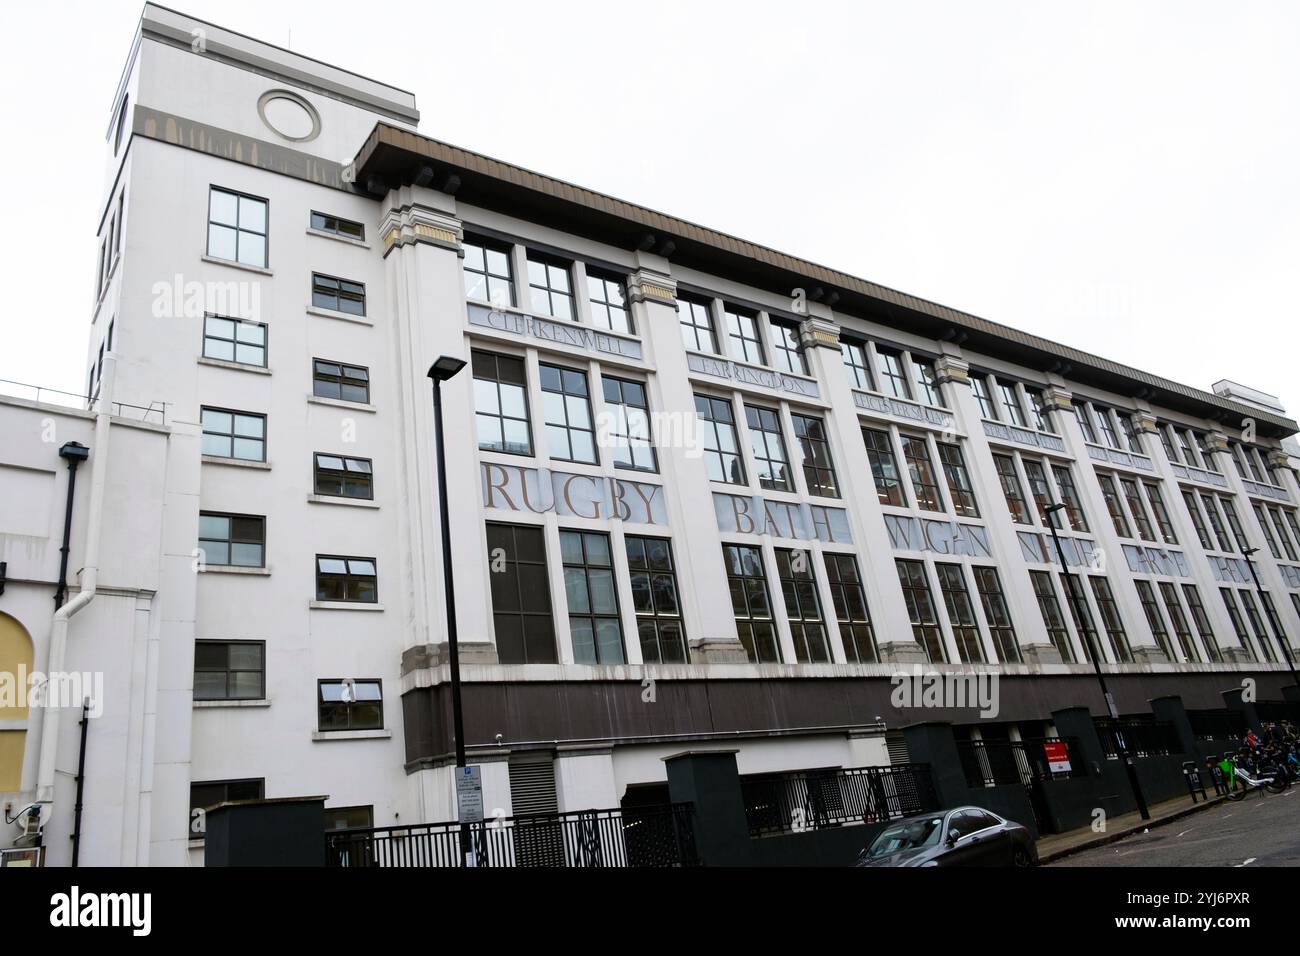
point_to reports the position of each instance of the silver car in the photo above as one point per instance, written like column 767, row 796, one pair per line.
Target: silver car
column 965, row 836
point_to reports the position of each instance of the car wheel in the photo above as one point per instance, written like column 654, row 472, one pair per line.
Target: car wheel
column 1020, row 857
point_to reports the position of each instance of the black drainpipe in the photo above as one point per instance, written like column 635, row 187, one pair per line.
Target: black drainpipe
column 81, row 783
column 75, row 453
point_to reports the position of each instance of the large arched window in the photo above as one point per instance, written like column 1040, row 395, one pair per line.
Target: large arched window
column 15, row 668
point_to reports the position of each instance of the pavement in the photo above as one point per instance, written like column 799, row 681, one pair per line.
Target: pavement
column 1257, row 831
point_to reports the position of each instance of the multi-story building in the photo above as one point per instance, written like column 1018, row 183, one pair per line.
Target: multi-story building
column 703, row 493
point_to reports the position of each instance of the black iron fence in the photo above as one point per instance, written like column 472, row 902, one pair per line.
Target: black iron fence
column 1227, row 725
column 816, row 799
column 1141, row 737
column 634, row 837
column 992, row 763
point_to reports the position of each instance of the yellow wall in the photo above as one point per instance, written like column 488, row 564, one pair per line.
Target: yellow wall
column 15, row 653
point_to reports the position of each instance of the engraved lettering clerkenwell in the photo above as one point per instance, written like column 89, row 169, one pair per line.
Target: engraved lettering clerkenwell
column 559, row 333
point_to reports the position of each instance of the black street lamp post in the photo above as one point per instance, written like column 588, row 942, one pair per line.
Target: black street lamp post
column 1272, row 618
column 440, row 371
column 1095, row 653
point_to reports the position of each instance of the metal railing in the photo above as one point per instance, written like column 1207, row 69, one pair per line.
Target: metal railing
column 993, row 763
column 816, row 799
column 155, row 413
column 1143, row 738
column 1217, row 724
column 660, row 836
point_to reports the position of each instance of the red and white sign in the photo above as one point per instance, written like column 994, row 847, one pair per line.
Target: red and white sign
column 1058, row 757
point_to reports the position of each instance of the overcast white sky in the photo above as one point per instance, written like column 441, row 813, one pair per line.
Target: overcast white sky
column 1122, row 177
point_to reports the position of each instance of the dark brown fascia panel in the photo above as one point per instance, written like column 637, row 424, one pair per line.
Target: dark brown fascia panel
column 392, row 156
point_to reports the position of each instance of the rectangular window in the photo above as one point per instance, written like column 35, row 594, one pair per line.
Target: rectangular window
column 349, row 818
column 342, row 477
column 926, row 382
column 1238, row 623
column 1257, row 624
column 1039, row 412
column 230, row 434
column 1081, row 614
column 1202, row 621
column 350, row 704
column 1174, row 608
column 789, row 355
column 1188, row 447
column 1198, row 520
column 751, row 604
column 232, row 540
column 229, row 670
column 884, row 468
column 1010, row 481
column 608, row 302
column 338, row 226
column 1167, row 443
column 343, row 383
column 629, row 424
column 1013, row 414
column 1279, row 528
column 959, row 485
column 849, row 599
column 818, row 469
column 1070, row 496
column 549, row 288
column 1262, row 519
column 339, row 295
column 1234, row 524
column 237, row 227
column 1216, row 523
column 1107, row 426
column 1154, row 619
column 488, row 275
column 802, row 607
column 920, row 609
column 1085, row 422
column 233, row 340
column 696, row 325
column 656, row 600
column 1161, row 513
column 566, row 408
column 346, row 579
column 1138, row 509
column 892, row 379
column 721, row 452
column 917, row 455
column 594, row 625
column 856, row 364
column 1039, row 489
column 1053, row 619
column 1293, row 524
column 768, row 447
column 501, row 403
column 521, row 594
column 1116, row 511
column 1111, row 620
column 742, row 335
column 206, row 794
column 997, row 614
column 1130, row 433
column 961, row 612
column 980, row 389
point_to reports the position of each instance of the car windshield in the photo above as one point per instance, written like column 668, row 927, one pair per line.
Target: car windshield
column 908, row 835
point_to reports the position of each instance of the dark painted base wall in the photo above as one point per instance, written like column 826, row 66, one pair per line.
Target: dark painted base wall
column 528, row 713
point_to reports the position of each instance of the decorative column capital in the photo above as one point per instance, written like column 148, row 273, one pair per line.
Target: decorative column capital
column 815, row 332
column 949, row 368
column 1058, row 399
column 1216, row 441
column 1278, row 458
column 647, row 285
column 1146, row 422
column 420, row 224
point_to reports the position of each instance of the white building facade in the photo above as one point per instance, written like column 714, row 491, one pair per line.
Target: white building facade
column 703, row 494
